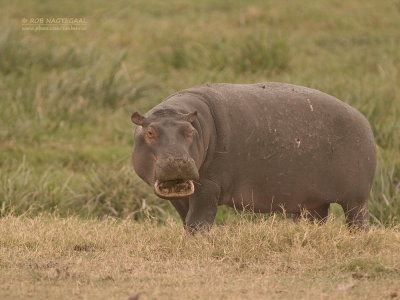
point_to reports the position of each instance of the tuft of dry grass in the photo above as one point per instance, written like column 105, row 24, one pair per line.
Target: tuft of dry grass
column 271, row 258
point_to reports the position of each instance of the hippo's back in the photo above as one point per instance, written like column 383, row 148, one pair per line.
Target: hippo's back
column 280, row 143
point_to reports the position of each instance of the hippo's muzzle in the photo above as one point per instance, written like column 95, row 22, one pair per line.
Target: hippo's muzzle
column 174, row 177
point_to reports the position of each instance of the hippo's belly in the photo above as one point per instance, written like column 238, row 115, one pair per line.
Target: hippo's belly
column 291, row 147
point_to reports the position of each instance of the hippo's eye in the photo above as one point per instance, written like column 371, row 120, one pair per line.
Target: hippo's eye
column 150, row 134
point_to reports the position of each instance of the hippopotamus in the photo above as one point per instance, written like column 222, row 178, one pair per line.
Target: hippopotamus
column 262, row 147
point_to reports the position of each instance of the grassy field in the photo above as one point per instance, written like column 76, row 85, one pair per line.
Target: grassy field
column 65, row 141
column 72, row 258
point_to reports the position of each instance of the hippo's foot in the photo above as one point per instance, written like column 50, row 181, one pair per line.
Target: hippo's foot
column 192, row 229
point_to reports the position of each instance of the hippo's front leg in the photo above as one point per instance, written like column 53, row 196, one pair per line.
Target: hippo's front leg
column 202, row 206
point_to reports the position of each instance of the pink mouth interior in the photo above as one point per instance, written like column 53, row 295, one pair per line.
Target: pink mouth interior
column 174, row 188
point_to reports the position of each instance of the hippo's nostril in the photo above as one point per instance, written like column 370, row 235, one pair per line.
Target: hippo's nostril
column 180, row 162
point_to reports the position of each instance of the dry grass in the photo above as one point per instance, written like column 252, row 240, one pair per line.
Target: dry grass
column 66, row 97
column 85, row 259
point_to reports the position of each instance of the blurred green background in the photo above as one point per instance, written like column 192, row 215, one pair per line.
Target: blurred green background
column 66, row 96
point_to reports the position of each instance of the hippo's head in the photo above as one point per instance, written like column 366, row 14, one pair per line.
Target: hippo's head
column 165, row 153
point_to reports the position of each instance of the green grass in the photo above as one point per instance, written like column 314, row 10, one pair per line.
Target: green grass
column 66, row 97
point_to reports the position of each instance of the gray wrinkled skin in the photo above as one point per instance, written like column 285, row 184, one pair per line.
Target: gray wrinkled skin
column 261, row 147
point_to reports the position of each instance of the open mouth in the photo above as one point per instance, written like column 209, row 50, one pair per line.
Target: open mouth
column 174, row 188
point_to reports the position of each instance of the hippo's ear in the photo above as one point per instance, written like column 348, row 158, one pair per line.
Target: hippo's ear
column 137, row 118
column 191, row 116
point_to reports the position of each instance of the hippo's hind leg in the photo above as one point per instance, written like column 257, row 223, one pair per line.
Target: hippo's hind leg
column 356, row 212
